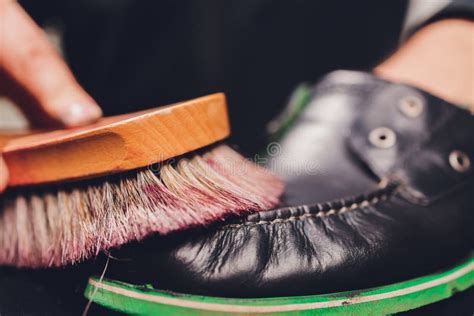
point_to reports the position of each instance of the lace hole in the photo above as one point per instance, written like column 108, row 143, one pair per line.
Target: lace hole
column 411, row 106
column 459, row 161
column 382, row 137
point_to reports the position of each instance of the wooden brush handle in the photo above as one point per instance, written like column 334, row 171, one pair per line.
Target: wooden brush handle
column 118, row 143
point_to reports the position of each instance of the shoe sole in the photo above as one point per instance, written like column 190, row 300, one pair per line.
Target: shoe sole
column 394, row 298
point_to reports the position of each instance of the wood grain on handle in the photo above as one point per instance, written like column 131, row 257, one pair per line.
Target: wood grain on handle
column 117, row 144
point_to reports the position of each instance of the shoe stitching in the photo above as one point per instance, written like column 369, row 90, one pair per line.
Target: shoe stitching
column 383, row 195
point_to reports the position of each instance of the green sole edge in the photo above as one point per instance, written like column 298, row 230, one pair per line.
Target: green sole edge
column 398, row 297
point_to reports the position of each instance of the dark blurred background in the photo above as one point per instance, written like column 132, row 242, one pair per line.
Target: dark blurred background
column 130, row 55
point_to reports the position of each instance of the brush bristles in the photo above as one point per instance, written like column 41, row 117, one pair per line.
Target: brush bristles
column 69, row 225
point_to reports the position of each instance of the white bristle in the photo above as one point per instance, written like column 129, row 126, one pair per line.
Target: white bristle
column 67, row 225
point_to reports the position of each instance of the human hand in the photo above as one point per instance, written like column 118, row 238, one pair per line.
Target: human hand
column 34, row 75
column 439, row 59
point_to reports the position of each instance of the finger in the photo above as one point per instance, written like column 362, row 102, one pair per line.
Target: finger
column 27, row 57
column 3, row 175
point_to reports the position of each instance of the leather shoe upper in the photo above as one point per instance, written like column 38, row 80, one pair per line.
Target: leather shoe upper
column 379, row 189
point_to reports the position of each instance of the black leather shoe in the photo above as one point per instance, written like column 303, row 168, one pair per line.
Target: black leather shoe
column 379, row 191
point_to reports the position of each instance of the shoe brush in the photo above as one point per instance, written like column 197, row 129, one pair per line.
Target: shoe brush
column 73, row 193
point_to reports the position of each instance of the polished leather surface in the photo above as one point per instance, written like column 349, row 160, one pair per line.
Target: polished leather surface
column 359, row 214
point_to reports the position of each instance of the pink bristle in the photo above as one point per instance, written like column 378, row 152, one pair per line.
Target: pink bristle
column 70, row 225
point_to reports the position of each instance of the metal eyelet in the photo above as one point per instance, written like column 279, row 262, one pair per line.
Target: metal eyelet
column 382, row 137
column 459, row 161
column 411, row 106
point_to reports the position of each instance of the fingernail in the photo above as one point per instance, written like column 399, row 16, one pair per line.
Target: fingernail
column 79, row 114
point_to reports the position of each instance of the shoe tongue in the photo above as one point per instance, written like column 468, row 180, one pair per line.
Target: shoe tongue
column 299, row 100
column 310, row 149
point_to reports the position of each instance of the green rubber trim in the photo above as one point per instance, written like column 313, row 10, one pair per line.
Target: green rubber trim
column 398, row 297
column 299, row 98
